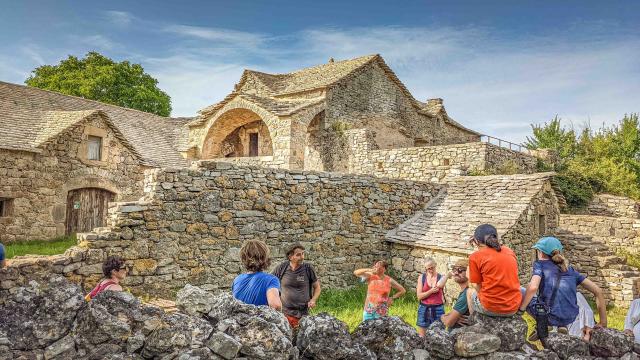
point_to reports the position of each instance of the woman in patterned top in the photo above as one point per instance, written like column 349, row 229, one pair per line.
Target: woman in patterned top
column 379, row 288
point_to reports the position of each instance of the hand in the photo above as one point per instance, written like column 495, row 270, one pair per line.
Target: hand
column 450, row 274
column 628, row 332
column 390, row 302
column 520, row 312
column 311, row 304
column 463, row 320
column 600, row 325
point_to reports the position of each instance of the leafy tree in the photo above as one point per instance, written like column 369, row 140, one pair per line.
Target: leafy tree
column 99, row 78
column 552, row 136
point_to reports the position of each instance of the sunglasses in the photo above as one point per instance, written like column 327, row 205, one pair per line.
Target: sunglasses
column 458, row 270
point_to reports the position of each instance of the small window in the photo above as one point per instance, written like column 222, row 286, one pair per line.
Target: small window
column 6, row 207
column 95, row 148
column 542, row 225
column 446, row 162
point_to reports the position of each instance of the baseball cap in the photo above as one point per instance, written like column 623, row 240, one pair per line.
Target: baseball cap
column 548, row 244
column 483, row 230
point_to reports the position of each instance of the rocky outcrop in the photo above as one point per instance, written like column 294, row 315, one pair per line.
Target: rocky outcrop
column 49, row 319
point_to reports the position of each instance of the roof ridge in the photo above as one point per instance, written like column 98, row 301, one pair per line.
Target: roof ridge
column 82, row 98
column 372, row 56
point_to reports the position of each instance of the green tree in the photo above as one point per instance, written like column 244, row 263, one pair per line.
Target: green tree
column 553, row 136
column 99, row 78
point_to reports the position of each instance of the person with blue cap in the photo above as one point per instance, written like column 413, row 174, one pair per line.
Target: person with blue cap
column 551, row 297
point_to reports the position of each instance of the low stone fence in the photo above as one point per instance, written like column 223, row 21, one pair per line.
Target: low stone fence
column 618, row 234
column 434, row 163
column 612, row 205
column 190, row 225
column 261, row 161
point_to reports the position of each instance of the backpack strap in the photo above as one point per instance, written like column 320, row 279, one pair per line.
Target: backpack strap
column 280, row 270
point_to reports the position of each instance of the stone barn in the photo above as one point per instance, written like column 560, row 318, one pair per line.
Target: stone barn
column 63, row 158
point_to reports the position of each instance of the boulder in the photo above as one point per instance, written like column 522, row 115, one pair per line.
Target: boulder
column 511, row 330
column 607, row 342
column 389, row 337
column 324, row 337
column 469, row 344
column 224, row 345
column 193, row 300
column 630, row 356
column 263, row 332
column 177, row 332
column 439, row 342
column 566, row 345
column 40, row 314
column 510, row 355
column 581, row 357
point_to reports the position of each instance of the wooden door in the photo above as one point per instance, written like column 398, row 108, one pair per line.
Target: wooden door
column 253, row 144
column 86, row 209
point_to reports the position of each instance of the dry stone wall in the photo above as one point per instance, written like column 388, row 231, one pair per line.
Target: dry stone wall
column 432, row 163
column 192, row 222
column 611, row 205
column 38, row 182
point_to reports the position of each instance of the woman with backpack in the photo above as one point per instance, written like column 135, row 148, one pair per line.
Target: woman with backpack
column 430, row 293
column 551, row 296
column 114, row 270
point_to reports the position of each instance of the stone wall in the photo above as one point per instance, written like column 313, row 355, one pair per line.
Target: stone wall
column 192, row 222
column 432, row 163
column 38, row 183
column 611, row 205
column 593, row 244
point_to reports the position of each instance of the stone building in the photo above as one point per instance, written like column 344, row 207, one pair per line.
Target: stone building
column 299, row 120
column 63, row 158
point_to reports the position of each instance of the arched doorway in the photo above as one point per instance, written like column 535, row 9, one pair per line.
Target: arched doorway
column 86, row 209
column 313, row 151
column 238, row 133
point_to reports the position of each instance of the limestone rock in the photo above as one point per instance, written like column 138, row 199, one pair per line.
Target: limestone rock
column 469, row 344
column 512, row 330
column 324, row 337
column 193, row 300
column 224, row 345
column 36, row 316
column 388, row 337
column 607, row 342
column 439, row 342
column 177, row 332
column 566, row 345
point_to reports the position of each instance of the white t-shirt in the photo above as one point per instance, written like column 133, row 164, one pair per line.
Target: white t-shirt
column 584, row 318
column 632, row 321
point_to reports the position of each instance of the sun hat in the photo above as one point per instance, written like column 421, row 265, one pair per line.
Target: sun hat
column 548, row 244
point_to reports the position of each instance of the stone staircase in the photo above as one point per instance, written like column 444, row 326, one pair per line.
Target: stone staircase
column 592, row 242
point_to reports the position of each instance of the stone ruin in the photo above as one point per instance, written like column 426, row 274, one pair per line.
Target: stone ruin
column 49, row 319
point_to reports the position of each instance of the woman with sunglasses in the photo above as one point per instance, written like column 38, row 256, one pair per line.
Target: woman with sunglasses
column 114, row 270
column 429, row 290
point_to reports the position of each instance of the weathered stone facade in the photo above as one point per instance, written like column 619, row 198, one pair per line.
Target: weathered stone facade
column 432, row 163
column 192, row 222
column 612, row 205
column 37, row 184
column 307, row 111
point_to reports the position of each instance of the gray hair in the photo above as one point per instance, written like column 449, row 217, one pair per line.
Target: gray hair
column 430, row 260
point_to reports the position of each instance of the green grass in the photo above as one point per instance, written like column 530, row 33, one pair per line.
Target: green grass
column 347, row 305
column 633, row 258
column 39, row 247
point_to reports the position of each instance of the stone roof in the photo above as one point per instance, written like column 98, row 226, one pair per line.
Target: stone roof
column 308, row 79
column 449, row 219
column 29, row 117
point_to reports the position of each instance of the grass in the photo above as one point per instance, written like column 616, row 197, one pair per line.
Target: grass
column 633, row 258
column 346, row 305
column 40, row 247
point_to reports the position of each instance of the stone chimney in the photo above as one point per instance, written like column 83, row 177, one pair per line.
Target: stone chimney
column 331, row 61
column 434, row 102
column 435, row 106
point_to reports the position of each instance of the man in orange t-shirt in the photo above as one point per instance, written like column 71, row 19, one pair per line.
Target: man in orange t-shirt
column 493, row 274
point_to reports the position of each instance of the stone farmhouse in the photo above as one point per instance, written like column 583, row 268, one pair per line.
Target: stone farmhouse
column 339, row 157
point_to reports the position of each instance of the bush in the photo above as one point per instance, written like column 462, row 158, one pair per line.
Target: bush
column 576, row 189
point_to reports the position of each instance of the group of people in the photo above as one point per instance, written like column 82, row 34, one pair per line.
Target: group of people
column 488, row 284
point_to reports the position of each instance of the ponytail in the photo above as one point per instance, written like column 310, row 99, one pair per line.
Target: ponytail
column 492, row 242
column 559, row 260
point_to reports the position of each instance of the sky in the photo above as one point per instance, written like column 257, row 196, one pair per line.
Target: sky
column 500, row 66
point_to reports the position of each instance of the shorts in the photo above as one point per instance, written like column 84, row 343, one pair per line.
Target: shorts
column 293, row 321
column 424, row 318
column 477, row 306
column 370, row 316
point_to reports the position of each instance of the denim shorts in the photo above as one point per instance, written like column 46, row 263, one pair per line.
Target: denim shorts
column 477, row 306
column 436, row 311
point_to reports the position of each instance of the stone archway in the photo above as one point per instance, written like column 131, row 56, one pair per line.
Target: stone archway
column 237, row 132
column 314, row 152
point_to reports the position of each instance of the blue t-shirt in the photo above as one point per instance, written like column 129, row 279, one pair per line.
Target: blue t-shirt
column 251, row 288
column 565, row 307
column 1, row 252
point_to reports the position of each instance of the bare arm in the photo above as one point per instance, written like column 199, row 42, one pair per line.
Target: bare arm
column 399, row 289
column 365, row 272
column 316, row 294
column 600, row 302
column 532, row 289
column 114, row 287
column 451, row 318
column 273, row 299
column 443, row 280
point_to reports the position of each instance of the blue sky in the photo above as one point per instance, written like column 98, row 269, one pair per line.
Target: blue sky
column 499, row 65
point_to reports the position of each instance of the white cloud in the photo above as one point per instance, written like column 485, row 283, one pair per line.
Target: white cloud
column 233, row 37
column 93, row 42
column 119, row 18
